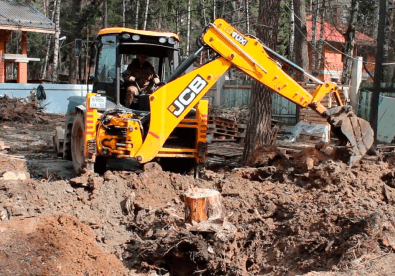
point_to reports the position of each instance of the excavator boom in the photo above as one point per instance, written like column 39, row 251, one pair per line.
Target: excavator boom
column 255, row 59
column 170, row 104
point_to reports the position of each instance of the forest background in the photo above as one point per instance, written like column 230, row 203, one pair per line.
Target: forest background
column 81, row 19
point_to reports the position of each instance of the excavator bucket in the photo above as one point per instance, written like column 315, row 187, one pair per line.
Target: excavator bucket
column 351, row 129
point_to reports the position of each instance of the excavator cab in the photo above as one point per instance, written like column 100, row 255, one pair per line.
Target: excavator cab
column 115, row 50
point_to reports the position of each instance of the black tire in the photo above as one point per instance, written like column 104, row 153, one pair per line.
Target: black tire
column 100, row 164
column 77, row 143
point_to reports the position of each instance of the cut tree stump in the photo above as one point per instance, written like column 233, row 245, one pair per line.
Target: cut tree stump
column 202, row 205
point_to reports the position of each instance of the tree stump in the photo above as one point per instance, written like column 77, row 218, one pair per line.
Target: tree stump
column 202, row 205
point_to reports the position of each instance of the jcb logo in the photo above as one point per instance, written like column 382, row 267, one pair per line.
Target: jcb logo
column 239, row 38
column 187, row 96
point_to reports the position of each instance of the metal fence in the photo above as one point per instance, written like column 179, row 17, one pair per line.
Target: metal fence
column 365, row 97
column 56, row 94
column 239, row 95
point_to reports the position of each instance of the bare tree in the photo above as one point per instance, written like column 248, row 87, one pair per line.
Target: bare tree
column 146, row 15
column 73, row 65
column 292, row 32
column 48, row 40
column 188, row 25
column 123, row 13
column 137, row 13
column 214, row 9
column 105, row 17
column 247, row 16
column 320, row 62
column 56, row 46
column 178, row 17
column 204, row 12
column 259, row 131
column 350, row 42
column 314, row 33
column 301, row 52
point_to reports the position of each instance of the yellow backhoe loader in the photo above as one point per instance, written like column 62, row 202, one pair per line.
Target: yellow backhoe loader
column 169, row 123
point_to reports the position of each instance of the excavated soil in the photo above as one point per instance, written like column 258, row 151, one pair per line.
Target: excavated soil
column 291, row 212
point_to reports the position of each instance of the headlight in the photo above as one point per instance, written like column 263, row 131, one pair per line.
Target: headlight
column 125, row 36
column 136, row 37
column 162, row 39
column 171, row 40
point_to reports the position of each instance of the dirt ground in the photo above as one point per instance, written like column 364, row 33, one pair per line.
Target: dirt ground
column 296, row 210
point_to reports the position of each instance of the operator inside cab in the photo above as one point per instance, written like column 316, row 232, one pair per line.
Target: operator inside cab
column 139, row 78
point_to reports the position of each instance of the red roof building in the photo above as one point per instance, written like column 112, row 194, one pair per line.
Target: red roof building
column 333, row 46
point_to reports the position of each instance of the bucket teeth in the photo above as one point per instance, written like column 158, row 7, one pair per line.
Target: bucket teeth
column 353, row 130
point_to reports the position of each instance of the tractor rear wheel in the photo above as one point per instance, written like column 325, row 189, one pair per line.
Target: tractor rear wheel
column 77, row 143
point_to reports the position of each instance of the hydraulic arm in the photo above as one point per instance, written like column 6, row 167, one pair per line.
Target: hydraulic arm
column 173, row 101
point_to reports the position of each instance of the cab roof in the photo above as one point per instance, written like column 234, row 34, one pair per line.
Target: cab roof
column 118, row 30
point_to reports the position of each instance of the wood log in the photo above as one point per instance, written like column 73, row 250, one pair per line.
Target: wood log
column 202, row 205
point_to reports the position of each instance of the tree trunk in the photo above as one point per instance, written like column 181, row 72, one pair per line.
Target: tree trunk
column 188, row 26
column 247, row 17
column 137, row 13
column 105, row 21
column 259, row 126
column 386, row 69
column 146, row 15
column 177, row 17
column 214, row 10
column 349, row 36
column 391, row 34
column 375, row 22
column 48, row 39
column 45, row 7
column 204, row 13
column 123, row 13
column 321, row 57
column 292, row 32
column 56, row 46
column 314, row 34
column 202, row 205
column 73, row 65
column 301, row 51
column 224, row 3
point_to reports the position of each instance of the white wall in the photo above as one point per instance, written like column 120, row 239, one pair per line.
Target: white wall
column 57, row 94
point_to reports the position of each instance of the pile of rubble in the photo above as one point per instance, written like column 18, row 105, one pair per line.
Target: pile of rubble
column 19, row 110
column 290, row 212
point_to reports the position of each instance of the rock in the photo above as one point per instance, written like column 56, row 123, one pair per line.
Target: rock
column 309, row 163
column 328, row 151
column 15, row 175
column 81, row 180
column 152, row 167
column 4, row 214
column 18, row 211
column 388, row 240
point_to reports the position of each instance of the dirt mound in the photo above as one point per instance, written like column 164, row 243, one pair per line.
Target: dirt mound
column 18, row 110
column 281, row 217
column 55, row 245
column 330, row 218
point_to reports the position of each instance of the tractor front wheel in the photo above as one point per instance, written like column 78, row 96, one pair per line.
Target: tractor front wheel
column 77, row 143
